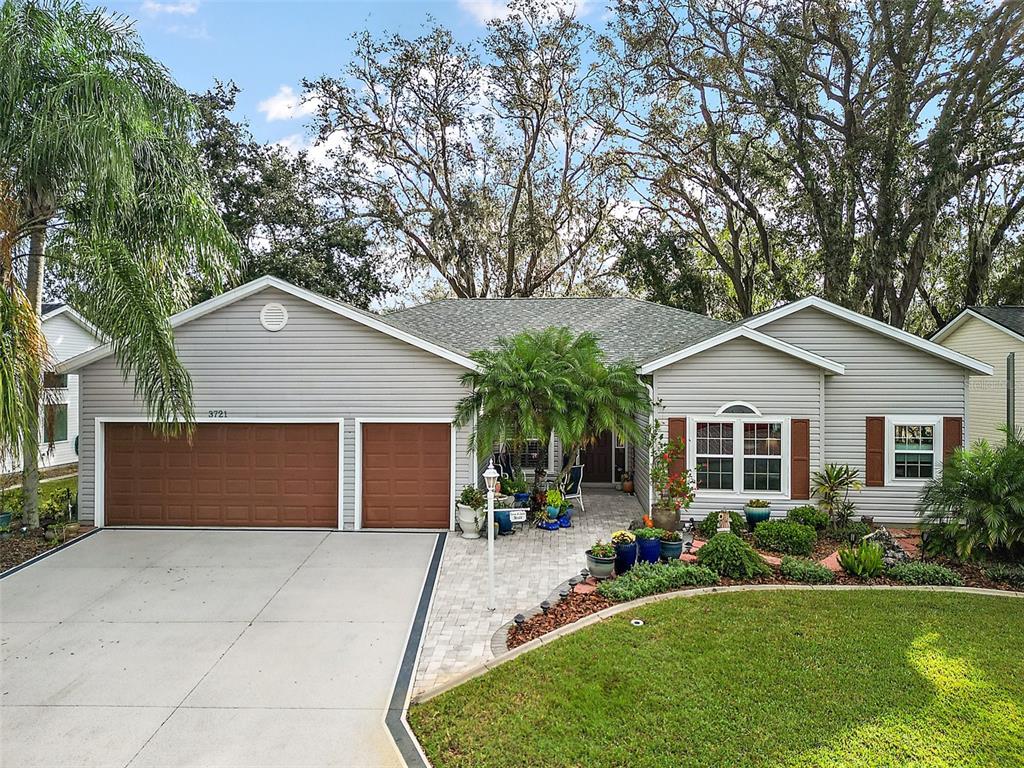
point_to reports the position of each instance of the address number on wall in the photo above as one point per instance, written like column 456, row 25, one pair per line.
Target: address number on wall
column 217, row 414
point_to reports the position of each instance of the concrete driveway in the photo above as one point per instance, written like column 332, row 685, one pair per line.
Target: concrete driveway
column 208, row 648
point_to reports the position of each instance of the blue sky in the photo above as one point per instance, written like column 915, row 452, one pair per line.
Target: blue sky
column 266, row 47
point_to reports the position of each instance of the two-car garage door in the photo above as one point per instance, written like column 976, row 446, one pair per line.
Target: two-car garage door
column 273, row 475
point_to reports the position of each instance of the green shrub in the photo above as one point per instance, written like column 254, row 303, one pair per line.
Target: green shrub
column 600, row 549
column 707, row 527
column 651, row 578
column 864, row 562
column 977, row 503
column 648, row 533
column 810, row 515
column 785, row 536
column 807, row 571
column 473, row 497
column 842, row 532
column 1007, row 573
column 925, row 573
column 729, row 555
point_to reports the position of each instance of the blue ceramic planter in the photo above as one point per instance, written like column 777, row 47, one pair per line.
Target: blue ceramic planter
column 521, row 498
column 671, row 550
column 564, row 522
column 549, row 525
column 504, row 519
column 650, row 550
column 625, row 557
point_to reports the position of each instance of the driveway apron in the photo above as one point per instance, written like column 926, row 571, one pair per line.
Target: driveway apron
column 208, row 648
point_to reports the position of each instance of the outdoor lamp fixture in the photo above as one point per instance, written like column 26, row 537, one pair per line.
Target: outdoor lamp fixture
column 491, row 481
column 853, row 538
column 584, row 573
column 564, row 593
column 545, row 606
column 519, row 620
column 925, row 535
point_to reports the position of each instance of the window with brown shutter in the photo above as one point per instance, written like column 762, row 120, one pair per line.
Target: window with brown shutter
column 952, row 435
column 874, row 439
column 800, row 459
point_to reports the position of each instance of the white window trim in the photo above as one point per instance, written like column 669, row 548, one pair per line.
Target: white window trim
column 737, row 464
column 722, row 411
column 890, row 447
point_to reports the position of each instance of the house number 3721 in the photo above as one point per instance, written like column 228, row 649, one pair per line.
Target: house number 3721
column 217, row 414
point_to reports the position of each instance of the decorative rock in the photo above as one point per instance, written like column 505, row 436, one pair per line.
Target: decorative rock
column 892, row 552
column 697, row 544
column 832, row 563
column 772, row 559
column 584, row 588
column 686, row 557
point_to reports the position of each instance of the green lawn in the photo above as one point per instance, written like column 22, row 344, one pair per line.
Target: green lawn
column 836, row 679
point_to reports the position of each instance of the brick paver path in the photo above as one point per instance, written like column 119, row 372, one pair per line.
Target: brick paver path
column 528, row 566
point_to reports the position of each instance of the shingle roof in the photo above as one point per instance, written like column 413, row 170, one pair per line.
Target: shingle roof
column 49, row 307
column 627, row 328
column 1009, row 317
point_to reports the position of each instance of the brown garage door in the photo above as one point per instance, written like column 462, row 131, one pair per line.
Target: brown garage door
column 261, row 475
column 406, row 475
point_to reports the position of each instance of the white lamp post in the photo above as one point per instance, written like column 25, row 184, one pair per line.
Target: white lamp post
column 491, row 480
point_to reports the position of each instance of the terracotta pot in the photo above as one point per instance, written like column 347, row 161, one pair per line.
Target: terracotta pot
column 665, row 518
column 627, row 486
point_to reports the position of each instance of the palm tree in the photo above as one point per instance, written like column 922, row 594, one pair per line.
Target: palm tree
column 101, row 189
column 551, row 381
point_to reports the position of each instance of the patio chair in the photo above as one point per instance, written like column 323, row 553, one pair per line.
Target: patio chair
column 572, row 488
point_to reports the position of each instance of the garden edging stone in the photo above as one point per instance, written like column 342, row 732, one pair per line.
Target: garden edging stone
column 608, row 613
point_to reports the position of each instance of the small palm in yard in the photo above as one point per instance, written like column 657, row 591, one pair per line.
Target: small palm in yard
column 101, row 189
column 539, row 382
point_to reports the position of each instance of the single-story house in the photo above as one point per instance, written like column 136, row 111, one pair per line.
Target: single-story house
column 312, row 413
column 989, row 334
column 67, row 334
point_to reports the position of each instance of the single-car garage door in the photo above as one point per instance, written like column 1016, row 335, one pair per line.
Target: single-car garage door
column 260, row 475
column 406, row 475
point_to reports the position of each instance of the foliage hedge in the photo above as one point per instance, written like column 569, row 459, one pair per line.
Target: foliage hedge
column 651, row 578
column 1007, row 573
column 810, row 515
column 807, row 571
column 785, row 536
column 925, row 573
column 708, row 527
column 731, row 556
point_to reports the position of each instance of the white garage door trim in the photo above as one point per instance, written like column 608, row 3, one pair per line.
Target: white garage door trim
column 402, row 420
column 99, row 452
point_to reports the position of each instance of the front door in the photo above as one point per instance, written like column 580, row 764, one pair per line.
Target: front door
column 597, row 460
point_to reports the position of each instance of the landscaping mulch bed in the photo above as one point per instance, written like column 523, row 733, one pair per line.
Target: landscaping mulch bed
column 16, row 548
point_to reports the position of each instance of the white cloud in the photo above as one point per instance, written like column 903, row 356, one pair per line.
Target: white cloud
column 287, row 105
column 319, row 153
column 486, row 10
column 180, row 8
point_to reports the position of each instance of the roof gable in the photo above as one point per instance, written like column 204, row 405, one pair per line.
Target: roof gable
column 230, row 297
column 877, row 326
column 1008, row 320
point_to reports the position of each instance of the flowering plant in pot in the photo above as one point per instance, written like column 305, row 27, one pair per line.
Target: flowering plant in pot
column 625, row 551
column 671, row 545
column 648, row 541
column 672, row 484
column 601, row 560
column 470, row 511
column 757, row 511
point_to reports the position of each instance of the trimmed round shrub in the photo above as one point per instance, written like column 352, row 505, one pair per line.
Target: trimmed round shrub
column 925, row 573
column 729, row 555
column 807, row 571
column 810, row 515
column 857, row 528
column 785, row 536
column 651, row 578
column 708, row 527
column 1007, row 573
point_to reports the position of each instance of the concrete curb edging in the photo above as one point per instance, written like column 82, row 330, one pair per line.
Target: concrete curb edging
column 607, row 613
column 46, row 553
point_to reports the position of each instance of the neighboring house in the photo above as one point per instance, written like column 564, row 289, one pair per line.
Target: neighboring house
column 67, row 334
column 312, row 413
column 989, row 334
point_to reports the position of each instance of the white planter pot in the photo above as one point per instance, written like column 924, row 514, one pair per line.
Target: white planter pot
column 467, row 521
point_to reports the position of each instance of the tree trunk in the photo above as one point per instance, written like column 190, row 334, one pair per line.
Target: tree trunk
column 33, row 389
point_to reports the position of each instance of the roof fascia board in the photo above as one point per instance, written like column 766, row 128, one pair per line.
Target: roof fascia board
column 752, row 335
column 883, row 329
column 965, row 315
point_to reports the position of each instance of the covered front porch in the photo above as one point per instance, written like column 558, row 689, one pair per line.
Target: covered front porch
column 529, row 565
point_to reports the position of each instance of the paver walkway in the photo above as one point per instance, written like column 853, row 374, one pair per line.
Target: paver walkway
column 528, row 566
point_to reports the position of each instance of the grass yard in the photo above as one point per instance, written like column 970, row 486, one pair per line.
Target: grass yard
column 780, row 679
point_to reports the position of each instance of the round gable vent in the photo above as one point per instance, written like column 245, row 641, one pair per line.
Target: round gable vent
column 273, row 316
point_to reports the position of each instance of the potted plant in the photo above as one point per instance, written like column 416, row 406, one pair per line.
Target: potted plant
column 601, row 560
column 554, row 503
column 517, row 487
column 625, row 551
column 757, row 511
column 671, row 545
column 648, row 542
column 469, row 507
column 627, row 482
column 674, row 490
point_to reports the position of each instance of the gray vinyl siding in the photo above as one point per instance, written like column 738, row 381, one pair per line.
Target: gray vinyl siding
column 321, row 365
column 884, row 377
column 776, row 384
column 986, row 398
column 641, row 465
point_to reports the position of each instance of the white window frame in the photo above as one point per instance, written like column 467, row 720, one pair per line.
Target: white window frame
column 731, row 455
column 891, row 422
column 723, row 410
column 738, row 420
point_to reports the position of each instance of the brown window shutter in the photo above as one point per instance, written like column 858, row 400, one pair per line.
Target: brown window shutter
column 677, row 429
column 800, row 459
column 952, row 436
column 874, row 473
